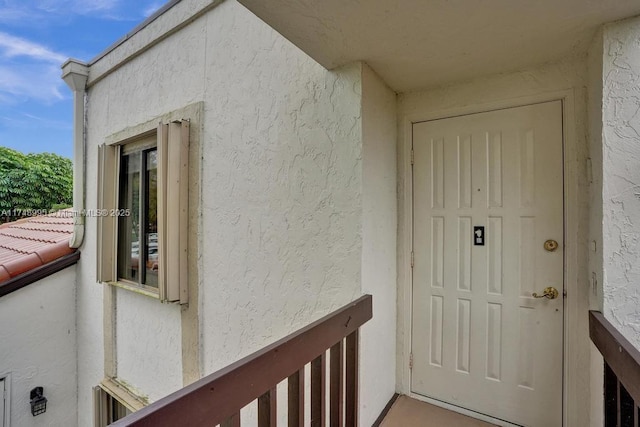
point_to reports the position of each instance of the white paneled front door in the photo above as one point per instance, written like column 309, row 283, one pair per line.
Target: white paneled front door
column 488, row 208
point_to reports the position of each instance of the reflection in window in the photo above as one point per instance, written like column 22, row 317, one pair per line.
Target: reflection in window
column 151, row 223
column 137, row 219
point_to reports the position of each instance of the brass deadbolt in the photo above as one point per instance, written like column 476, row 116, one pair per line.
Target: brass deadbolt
column 550, row 245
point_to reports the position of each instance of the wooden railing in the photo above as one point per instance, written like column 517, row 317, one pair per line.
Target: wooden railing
column 218, row 398
column 621, row 375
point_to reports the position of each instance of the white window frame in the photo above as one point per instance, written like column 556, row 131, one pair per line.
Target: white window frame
column 172, row 142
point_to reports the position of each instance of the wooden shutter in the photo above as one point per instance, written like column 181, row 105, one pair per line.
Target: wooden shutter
column 107, row 199
column 173, row 210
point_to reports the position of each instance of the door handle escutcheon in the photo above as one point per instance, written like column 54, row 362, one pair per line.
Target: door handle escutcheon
column 549, row 293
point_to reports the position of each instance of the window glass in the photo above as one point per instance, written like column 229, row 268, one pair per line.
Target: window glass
column 138, row 218
column 117, row 410
column 128, row 225
column 108, row 409
column 151, row 203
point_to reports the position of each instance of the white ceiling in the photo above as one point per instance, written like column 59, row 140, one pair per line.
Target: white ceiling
column 415, row 44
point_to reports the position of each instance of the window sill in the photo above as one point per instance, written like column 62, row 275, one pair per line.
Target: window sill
column 137, row 289
column 123, row 394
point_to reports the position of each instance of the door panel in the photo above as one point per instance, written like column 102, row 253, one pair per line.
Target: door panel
column 480, row 340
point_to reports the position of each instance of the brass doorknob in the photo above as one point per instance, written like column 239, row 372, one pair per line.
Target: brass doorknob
column 550, row 245
column 549, row 293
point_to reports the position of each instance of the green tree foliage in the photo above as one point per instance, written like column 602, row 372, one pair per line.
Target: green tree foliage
column 39, row 182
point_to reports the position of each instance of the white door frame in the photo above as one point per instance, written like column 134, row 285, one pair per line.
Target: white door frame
column 575, row 318
column 7, row 403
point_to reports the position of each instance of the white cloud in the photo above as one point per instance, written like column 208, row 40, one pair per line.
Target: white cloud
column 87, row 6
column 46, row 12
column 78, row 7
column 106, row 9
column 48, row 123
column 12, row 46
column 28, row 71
column 13, row 15
column 150, row 10
column 35, row 82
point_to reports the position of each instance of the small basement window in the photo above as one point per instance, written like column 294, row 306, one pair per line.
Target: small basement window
column 113, row 401
column 107, row 408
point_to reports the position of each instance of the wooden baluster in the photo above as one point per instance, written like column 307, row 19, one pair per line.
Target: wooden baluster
column 610, row 397
column 232, row 421
column 336, row 386
column 267, row 409
column 619, row 404
column 627, row 408
column 351, row 378
column 296, row 399
column 318, row 387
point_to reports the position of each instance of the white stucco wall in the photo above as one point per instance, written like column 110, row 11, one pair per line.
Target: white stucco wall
column 551, row 81
column 621, row 177
column 145, row 347
column 282, row 190
column 281, row 187
column 90, row 337
column 379, row 231
column 38, row 348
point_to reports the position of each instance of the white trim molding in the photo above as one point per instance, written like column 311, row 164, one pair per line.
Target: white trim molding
column 6, row 379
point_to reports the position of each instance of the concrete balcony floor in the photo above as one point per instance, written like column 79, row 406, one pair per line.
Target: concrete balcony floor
column 408, row 412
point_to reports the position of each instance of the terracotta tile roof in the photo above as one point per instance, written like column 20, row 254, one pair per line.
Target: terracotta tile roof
column 32, row 242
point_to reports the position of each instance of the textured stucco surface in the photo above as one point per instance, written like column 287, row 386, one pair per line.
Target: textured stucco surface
column 531, row 85
column 379, row 230
column 90, row 344
column 282, row 214
column 145, row 347
column 179, row 13
column 621, row 176
column 38, row 348
column 281, row 187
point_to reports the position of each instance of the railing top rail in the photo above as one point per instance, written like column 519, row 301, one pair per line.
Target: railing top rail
column 618, row 352
column 210, row 400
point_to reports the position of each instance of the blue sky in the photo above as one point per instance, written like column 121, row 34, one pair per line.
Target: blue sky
column 36, row 37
